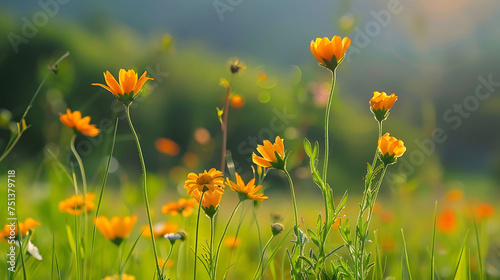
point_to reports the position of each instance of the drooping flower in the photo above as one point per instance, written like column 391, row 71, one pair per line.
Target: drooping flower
column 232, row 242
column 75, row 121
column 183, row 206
column 390, row 148
column 159, row 229
column 330, row 53
column 211, row 201
column 381, row 103
column 129, row 85
column 117, row 228
column 206, row 181
column 11, row 230
column 76, row 204
column 248, row 191
column 273, row 155
column 447, row 221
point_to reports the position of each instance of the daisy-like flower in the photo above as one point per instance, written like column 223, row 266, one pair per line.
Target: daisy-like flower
column 183, row 206
column 117, row 228
column 206, row 181
column 128, row 87
column 160, row 229
column 10, row 231
column 76, row 204
column 248, row 191
column 330, row 53
column 381, row 103
column 390, row 148
column 273, row 155
column 211, row 201
column 75, row 121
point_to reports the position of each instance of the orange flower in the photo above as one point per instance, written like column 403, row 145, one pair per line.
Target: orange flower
column 232, row 242
column 159, row 229
column 454, row 195
column 117, row 229
column 129, row 85
column 268, row 152
column 381, row 103
column 447, row 221
column 169, row 263
column 248, row 191
column 336, row 223
column 76, row 204
column 237, row 102
column 390, row 148
column 183, row 206
column 123, row 277
column 75, row 120
column 210, row 181
column 483, row 211
column 167, row 146
column 211, row 201
column 9, row 231
column 330, row 53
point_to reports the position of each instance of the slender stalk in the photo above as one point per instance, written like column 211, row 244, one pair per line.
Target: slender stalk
column 212, row 233
column 196, row 238
column 256, row 275
column 376, row 151
column 258, row 232
column 145, row 191
column 327, row 118
column 294, row 201
column 168, row 257
column 224, row 126
column 222, row 238
column 120, row 268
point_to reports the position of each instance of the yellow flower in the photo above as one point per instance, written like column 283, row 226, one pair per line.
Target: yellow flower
column 268, row 152
column 210, row 181
column 76, row 204
column 129, row 85
column 381, row 103
column 248, row 191
column 330, row 53
column 75, row 120
column 123, row 277
column 24, row 227
column 211, row 201
column 117, row 229
column 159, row 229
column 390, row 148
column 183, row 206
column 232, row 242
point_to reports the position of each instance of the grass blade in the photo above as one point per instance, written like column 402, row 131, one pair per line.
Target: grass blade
column 433, row 268
column 407, row 262
column 459, row 262
column 481, row 264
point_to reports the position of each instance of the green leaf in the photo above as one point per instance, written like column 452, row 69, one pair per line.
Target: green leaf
column 307, row 148
column 313, row 236
column 316, row 150
column 341, row 204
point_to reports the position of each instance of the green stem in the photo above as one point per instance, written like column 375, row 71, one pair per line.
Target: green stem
column 145, row 191
column 196, row 238
column 293, row 198
column 376, row 150
column 120, row 252
column 327, row 118
column 168, row 257
column 224, row 126
column 222, row 237
column 256, row 275
column 212, row 233
column 258, row 231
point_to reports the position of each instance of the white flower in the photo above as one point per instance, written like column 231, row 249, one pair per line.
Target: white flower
column 33, row 250
column 172, row 236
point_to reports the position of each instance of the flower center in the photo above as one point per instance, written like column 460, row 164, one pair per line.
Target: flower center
column 204, row 179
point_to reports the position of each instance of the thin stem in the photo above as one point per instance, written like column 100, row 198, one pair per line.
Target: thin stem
column 222, row 237
column 376, row 150
column 212, row 233
column 256, row 275
column 327, row 118
column 196, row 238
column 168, row 257
column 145, row 192
column 224, row 126
column 258, row 231
column 293, row 198
column 120, row 252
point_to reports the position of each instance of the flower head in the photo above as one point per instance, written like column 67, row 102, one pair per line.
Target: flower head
column 74, row 120
column 277, row 228
column 390, row 148
column 206, row 181
column 447, row 221
column 76, row 204
column 236, row 65
column 273, row 155
column 483, row 211
column 182, row 235
column 23, row 227
column 211, row 201
column 183, row 206
column 381, row 103
column 159, row 229
column 248, row 191
column 330, row 53
column 129, row 85
column 232, row 242
column 117, row 228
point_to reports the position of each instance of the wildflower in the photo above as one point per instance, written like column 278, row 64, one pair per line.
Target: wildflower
column 236, row 65
column 390, row 149
column 454, row 195
column 167, row 147
column 24, row 228
column 169, row 263
column 206, row 181
column 176, row 236
column 117, row 229
column 160, row 229
column 74, row 120
column 76, row 204
column 237, row 102
column 483, row 211
column 232, row 242
column 276, row 228
column 447, row 221
column 330, row 53
column 129, row 85
column 122, row 277
column 182, row 206
column 211, row 201
column 381, row 103
column 336, row 223
column 273, row 155
column 248, row 191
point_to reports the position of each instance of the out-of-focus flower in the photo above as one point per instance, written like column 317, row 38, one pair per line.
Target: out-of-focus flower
column 320, row 92
column 386, row 216
column 11, row 230
column 206, row 181
column 483, row 211
column 159, row 229
column 76, row 204
column 330, row 53
column 180, row 235
column 381, row 103
column 123, row 277
column 336, row 223
column 75, row 121
column 129, row 85
column 248, row 191
column 169, row 263
column 232, row 242
column 211, row 201
column 261, row 77
column 117, row 229
column 183, row 206
column 237, row 102
column 268, row 152
column 190, row 159
column 167, row 147
column 454, row 195
column 447, row 221
column 202, row 135
column 277, row 228
column 236, row 65
column 390, row 148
